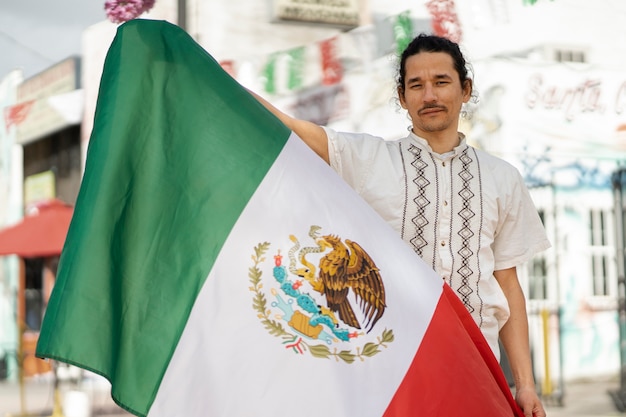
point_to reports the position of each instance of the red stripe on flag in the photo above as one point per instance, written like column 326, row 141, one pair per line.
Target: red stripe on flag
column 454, row 372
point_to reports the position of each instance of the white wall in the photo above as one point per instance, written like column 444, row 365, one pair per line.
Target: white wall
column 492, row 27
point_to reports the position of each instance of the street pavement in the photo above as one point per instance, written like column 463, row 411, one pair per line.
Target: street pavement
column 36, row 397
column 584, row 398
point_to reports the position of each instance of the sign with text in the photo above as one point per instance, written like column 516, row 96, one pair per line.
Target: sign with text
column 41, row 118
column 341, row 13
column 39, row 187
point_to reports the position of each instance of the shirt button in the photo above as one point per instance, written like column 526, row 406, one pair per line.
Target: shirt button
column 443, row 163
column 443, row 243
column 445, row 203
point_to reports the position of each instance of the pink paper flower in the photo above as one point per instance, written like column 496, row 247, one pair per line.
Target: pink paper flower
column 119, row 11
column 147, row 5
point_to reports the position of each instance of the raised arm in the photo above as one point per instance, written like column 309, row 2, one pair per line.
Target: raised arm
column 313, row 135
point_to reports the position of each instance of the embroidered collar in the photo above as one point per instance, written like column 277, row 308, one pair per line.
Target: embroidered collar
column 423, row 143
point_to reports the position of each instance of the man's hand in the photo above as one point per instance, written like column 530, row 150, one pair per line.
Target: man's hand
column 529, row 402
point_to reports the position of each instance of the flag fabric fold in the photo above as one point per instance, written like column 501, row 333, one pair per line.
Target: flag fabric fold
column 215, row 266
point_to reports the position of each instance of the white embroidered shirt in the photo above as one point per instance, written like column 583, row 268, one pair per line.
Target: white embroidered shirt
column 466, row 213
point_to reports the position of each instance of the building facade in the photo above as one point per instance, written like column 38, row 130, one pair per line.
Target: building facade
column 41, row 161
column 10, row 212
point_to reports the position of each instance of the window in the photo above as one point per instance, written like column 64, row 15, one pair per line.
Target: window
column 602, row 251
column 537, row 276
column 569, row 55
column 538, row 273
column 33, row 293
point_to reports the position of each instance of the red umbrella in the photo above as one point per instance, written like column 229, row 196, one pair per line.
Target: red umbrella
column 39, row 234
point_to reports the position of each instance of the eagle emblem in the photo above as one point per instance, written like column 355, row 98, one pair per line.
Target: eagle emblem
column 331, row 291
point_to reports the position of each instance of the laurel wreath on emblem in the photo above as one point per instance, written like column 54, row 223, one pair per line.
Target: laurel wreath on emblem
column 308, row 321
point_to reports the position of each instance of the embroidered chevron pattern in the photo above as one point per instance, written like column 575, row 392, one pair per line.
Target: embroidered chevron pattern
column 465, row 232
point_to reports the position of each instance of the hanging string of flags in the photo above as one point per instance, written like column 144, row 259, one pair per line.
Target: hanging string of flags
column 445, row 20
column 325, row 62
column 403, row 31
column 322, row 63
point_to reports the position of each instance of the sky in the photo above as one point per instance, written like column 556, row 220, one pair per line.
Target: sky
column 36, row 34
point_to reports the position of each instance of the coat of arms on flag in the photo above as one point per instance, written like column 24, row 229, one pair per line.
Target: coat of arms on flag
column 319, row 296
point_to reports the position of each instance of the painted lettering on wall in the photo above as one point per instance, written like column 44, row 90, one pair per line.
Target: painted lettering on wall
column 584, row 97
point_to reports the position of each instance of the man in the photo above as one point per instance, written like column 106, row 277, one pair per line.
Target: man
column 466, row 213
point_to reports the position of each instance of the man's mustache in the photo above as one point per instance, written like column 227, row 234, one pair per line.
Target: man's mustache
column 432, row 106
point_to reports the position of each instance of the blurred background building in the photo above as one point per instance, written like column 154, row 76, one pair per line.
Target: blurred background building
column 551, row 79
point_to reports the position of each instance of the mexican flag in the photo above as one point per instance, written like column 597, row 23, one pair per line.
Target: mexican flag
column 215, row 266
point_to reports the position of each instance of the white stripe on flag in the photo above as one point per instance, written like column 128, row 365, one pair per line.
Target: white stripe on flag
column 230, row 364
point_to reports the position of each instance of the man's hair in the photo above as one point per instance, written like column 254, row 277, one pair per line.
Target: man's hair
column 432, row 43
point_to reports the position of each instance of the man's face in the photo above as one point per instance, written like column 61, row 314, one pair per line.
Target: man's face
column 433, row 94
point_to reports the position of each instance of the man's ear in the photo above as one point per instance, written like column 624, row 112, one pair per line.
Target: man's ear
column 467, row 90
column 401, row 97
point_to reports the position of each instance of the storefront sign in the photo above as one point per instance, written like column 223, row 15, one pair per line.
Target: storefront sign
column 39, row 187
column 41, row 118
column 342, row 13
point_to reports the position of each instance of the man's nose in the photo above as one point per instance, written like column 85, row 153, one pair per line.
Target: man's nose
column 429, row 93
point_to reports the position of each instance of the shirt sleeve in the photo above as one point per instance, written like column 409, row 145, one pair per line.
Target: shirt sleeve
column 520, row 233
column 352, row 155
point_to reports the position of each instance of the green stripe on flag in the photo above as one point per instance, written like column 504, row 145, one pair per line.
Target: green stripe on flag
column 178, row 148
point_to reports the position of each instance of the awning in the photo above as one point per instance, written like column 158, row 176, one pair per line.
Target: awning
column 39, row 234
